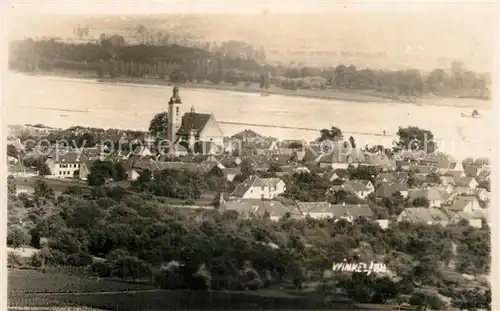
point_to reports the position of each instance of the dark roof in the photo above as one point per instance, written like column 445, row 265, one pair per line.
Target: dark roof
column 67, row 157
column 246, row 134
column 193, row 121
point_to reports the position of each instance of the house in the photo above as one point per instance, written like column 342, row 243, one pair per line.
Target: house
column 441, row 161
column 394, row 177
column 468, row 182
column 255, row 187
column 256, row 208
column 387, row 189
column 455, row 174
column 355, row 212
column 435, row 196
column 322, row 210
column 231, row 172
column 340, row 158
column 466, row 204
column 247, row 136
column 483, row 194
column 360, row 188
column 463, row 191
column 429, row 216
column 85, row 167
column 289, row 170
column 473, row 170
column 424, row 169
column 65, row 164
column 447, row 180
column 380, row 161
column 475, row 218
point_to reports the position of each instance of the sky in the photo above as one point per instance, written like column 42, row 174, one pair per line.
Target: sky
column 465, row 30
column 198, row 6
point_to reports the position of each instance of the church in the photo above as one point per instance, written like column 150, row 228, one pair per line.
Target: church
column 196, row 132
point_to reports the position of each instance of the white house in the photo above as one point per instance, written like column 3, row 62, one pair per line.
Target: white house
column 65, row 164
column 255, row 187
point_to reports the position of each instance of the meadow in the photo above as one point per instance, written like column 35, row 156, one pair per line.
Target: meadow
column 31, row 288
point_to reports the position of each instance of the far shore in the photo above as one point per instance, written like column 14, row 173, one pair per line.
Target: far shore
column 348, row 95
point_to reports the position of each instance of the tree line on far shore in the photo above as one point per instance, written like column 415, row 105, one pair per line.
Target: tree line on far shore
column 113, row 58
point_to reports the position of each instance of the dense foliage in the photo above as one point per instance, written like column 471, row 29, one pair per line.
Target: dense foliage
column 181, row 64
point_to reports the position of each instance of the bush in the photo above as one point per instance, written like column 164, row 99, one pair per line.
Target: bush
column 169, row 279
column 102, row 269
column 16, row 237
column 53, row 257
column 80, row 259
column 36, row 260
column 14, row 260
column 130, row 267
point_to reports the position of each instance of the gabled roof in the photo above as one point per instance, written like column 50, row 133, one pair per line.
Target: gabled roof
column 256, row 207
column 314, row 207
column 464, row 181
column 193, row 121
column 423, row 214
column 254, row 181
column 232, row 171
column 360, row 210
column 431, row 194
column 355, row 186
column 386, row 189
column 67, row 157
column 246, row 134
column 424, row 169
column 460, row 202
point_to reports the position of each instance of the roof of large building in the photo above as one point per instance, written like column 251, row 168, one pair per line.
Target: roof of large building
column 193, row 121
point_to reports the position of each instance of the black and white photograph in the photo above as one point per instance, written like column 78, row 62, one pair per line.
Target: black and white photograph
column 225, row 155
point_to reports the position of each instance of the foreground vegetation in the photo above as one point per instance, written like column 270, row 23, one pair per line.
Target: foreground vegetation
column 114, row 59
column 144, row 240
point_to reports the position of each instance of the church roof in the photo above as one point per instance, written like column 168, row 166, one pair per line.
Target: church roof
column 193, row 121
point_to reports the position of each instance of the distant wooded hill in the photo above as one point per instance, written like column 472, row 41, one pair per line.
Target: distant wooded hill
column 112, row 57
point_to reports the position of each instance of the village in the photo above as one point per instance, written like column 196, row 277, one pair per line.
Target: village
column 437, row 188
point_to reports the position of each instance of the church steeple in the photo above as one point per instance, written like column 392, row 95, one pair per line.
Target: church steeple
column 174, row 115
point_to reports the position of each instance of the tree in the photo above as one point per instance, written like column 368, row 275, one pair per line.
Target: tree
column 74, row 190
column 130, row 267
column 44, row 170
column 42, row 190
column 415, row 138
column 352, row 142
column 100, row 171
column 119, row 172
column 11, row 188
column 330, row 134
column 12, row 151
column 158, row 126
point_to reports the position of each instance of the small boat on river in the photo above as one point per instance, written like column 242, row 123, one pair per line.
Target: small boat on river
column 475, row 114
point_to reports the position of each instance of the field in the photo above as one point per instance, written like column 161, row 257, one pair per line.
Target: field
column 58, row 185
column 29, row 288
column 32, row 281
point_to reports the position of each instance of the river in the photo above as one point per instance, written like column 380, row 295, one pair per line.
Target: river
column 90, row 103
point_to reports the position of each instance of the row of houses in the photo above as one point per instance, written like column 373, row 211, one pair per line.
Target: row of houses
column 463, row 210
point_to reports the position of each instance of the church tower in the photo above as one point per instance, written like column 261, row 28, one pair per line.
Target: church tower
column 174, row 115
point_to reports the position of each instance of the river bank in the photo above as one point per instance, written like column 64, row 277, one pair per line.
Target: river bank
column 347, row 95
